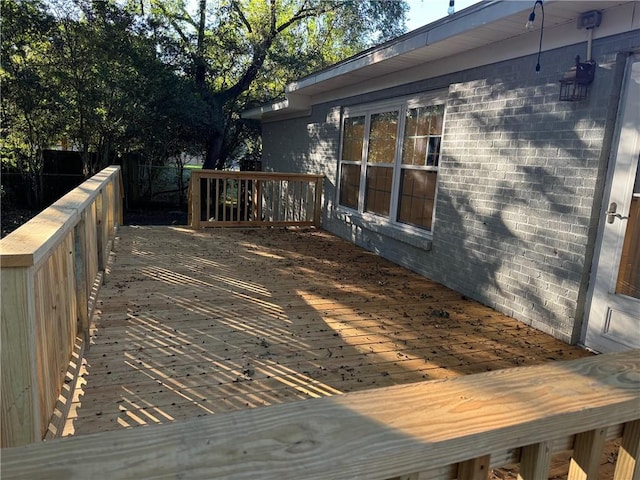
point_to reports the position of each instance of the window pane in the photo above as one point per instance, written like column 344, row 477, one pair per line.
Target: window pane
column 423, row 130
column 352, row 139
column 436, row 115
column 433, row 154
column 417, row 196
column 378, row 193
column 349, row 185
column 382, row 137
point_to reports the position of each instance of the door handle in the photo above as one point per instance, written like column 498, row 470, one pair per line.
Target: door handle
column 612, row 215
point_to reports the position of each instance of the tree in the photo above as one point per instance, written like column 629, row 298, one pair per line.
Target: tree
column 33, row 113
column 239, row 52
column 111, row 77
column 122, row 96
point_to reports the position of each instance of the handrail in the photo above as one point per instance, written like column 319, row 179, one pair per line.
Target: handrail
column 49, row 267
column 431, row 430
column 229, row 198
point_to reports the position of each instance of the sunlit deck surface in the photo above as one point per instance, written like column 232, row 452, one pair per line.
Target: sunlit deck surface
column 193, row 323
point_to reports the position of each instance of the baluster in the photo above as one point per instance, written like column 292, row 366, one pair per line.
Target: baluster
column 627, row 466
column 474, row 469
column 587, row 450
column 535, row 461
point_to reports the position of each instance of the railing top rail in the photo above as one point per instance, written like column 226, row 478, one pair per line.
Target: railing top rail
column 376, row 434
column 28, row 244
column 256, row 175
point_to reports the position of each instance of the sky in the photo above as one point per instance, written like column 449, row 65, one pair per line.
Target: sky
column 423, row 12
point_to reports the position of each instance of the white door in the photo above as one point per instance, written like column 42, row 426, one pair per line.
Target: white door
column 613, row 321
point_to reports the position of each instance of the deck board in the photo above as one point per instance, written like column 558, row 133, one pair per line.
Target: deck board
column 195, row 323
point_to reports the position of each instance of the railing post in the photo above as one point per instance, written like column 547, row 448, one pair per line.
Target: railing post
column 20, row 421
column 258, row 200
column 120, row 198
column 317, row 212
column 189, row 203
column 195, row 204
column 100, row 230
column 80, row 269
column 628, row 464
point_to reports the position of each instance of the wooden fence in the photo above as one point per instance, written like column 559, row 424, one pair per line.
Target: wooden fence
column 458, row 428
column 218, row 199
column 50, row 267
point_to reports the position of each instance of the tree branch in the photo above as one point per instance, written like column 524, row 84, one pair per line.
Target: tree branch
column 262, row 49
column 243, row 19
column 307, row 12
column 172, row 20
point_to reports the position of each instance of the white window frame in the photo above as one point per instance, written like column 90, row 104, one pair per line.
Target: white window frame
column 401, row 105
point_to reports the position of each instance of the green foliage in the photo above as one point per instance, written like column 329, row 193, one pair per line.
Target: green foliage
column 31, row 116
column 240, row 53
column 164, row 77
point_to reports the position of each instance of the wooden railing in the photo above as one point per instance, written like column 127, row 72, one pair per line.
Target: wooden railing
column 223, row 198
column 458, row 428
column 50, row 267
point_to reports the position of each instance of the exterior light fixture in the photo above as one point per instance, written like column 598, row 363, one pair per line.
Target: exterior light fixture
column 452, row 7
column 574, row 84
column 530, row 25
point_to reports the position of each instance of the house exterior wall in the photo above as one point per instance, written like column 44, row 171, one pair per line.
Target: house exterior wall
column 519, row 183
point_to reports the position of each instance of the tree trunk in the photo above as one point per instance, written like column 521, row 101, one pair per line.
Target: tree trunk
column 213, row 158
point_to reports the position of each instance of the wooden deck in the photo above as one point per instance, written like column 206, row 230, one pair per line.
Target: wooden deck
column 193, row 323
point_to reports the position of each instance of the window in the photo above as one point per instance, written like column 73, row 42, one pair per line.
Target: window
column 389, row 160
column 419, row 167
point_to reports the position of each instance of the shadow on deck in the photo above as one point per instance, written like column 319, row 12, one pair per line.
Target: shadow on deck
column 193, row 323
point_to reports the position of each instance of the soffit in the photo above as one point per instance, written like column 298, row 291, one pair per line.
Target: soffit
column 444, row 39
